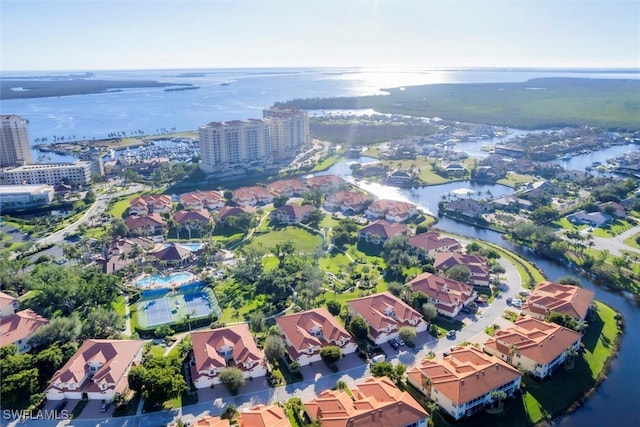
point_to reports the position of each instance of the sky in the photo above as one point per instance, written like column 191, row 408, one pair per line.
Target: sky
column 160, row 34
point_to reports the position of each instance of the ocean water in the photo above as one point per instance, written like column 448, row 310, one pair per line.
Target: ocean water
column 228, row 94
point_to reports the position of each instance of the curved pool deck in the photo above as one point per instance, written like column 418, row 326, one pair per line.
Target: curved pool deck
column 165, row 281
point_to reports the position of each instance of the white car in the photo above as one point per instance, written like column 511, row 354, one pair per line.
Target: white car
column 516, row 302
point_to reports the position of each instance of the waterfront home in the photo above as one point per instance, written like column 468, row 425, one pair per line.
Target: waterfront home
column 252, row 196
column 391, row 210
column 455, row 168
column 467, row 207
column 477, row 265
column 307, row 332
column 98, row 370
column 536, row 189
column 399, row 177
column 217, row 349
column 594, row 219
column 374, row 402
column 573, row 301
column 386, row 314
column 8, row 305
column 143, row 205
column 426, row 245
column 229, row 211
column 292, row 213
column 616, row 209
column 380, row 231
column 449, row 296
column 347, row 201
column 462, row 381
column 287, row 187
column 511, row 203
column 326, row 183
column 533, row 345
column 202, row 199
column 18, row 328
column 145, row 225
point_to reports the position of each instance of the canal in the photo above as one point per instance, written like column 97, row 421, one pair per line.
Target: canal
column 617, row 401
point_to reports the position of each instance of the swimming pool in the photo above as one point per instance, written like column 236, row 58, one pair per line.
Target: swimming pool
column 158, row 280
column 193, row 247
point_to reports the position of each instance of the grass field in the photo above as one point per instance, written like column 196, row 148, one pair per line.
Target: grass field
column 514, row 179
column 303, row 240
column 631, row 241
column 118, row 208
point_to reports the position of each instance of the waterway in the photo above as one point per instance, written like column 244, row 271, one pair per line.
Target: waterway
column 616, row 401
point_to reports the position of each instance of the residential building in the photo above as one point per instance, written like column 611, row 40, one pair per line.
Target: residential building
column 123, row 252
column 462, row 381
column 145, row 225
column 19, row 327
column 571, row 300
column 380, row 231
column 467, row 207
column 174, row 255
column 426, row 245
column 617, row 209
column 208, row 421
column 77, row 174
column 292, row 213
column 252, row 196
column 307, row 332
column 217, row 349
column 477, row 265
column 326, row 183
column 21, row 196
column 98, row 369
column 235, row 143
column 374, row 402
column 14, row 141
column 8, row 305
column 449, row 296
column 399, row 177
column 511, row 203
column 594, row 219
column 193, row 219
column 202, row 199
column 533, row 345
column 289, row 130
column 391, row 210
column 257, row 416
column 386, row 314
column 347, row 201
column 229, row 211
column 287, row 187
column 143, row 205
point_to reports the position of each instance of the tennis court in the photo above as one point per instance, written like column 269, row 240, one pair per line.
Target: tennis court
column 198, row 304
column 158, row 311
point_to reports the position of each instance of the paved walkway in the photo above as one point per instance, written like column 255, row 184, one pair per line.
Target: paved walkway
column 615, row 245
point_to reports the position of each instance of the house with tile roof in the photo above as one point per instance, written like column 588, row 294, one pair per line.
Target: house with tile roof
column 425, row 245
column 477, row 265
column 119, row 252
column 391, row 210
column 193, row 220
column 257, row 416
column 380, row 231
column 449, row 296
column 99, row 368
column 229, row 211
column 307, row 332
column 18, row 328
column 462, row 381
column 386, row 314
column 207, row 421
column 252, row 196
column 173, row 255
column 292, row 213
column 533, row 345
column 143, row 205
column 217, row 349
column 347, row 201
column 8, row 305
column 566, row 299
column 287, row 187
column 202, row 199
column 374, row 402
column 467, row 207
column 145, row 225
column 326, row 183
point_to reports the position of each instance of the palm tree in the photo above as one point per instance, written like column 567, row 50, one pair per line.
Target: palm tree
column 427, row 383
column 571, row 354
column 498, row 395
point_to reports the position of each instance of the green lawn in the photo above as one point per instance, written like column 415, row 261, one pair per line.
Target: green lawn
column 631, row 241
column 158, row 350
column 118, row 208
column 618, row 226
column 303, row 240
column 514, row 180
column 325, row 164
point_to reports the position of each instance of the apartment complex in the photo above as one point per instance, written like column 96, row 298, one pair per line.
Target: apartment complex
column 14, row 141
column 78, row 173
column 253, row 142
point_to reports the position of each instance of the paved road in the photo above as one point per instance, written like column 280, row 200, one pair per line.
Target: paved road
column 615, row 245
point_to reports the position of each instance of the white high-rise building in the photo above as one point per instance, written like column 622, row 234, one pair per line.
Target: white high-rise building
column 289, row 130
column 14, row 141
column 77, row 174
column 253, row 142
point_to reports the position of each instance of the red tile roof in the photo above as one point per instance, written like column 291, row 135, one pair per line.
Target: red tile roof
column 376, row 402
column 384, row 229
column 475, row 263
column 20, row 325
column 209, row 421
column 6, row 299
column 325, row 181
column 135, row 222
column 284, row 186
column 198, row 215
column 206, row 346
column 263, row 416
column 294, row 210
column 548, row 296
column 449, row 292
column 228, row 211
column 392, row 207
column 431, row 241
column 297, row 328
column 384, row 309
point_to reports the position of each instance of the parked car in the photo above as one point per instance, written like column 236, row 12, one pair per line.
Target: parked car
column 104, row 406
column 451, row 334
column 517, row 302
column 61, row 261
column 394, row 344
column 509, row 300
column 465, row 309
column 61, row 405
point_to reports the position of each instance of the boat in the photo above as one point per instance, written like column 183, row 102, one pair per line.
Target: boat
column 567, row 156
column 225, row 84
column 176, row 89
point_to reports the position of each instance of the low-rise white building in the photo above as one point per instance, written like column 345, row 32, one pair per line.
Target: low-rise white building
column 78, row 173
column 22, row 196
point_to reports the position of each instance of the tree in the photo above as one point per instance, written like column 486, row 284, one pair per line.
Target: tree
column 257, row 321
column 119, row 229
column 569, row 280
column 429, row 310
column 136, row 377
column 90, row 197
column 103, row 323
column 459, row 273
column 163, row 331
column 232, row 378
column 313, row 197
column 315, row 217
column 279, row 201
column 386, row 369
column 330, row 354
column 274, row 348
column 334, row 307
column 359, row 327
column 48, row 361
column 395, row 288
column 499, row 396
column 58, row 330
column 407, row 333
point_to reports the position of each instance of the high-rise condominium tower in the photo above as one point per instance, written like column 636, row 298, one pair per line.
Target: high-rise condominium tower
column 14, row 141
